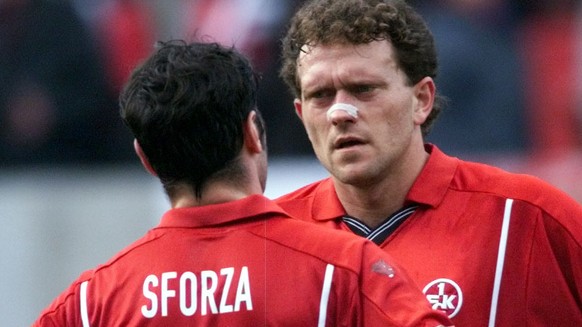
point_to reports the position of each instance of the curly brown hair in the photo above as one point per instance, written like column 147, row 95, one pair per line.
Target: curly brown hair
column 359, row 22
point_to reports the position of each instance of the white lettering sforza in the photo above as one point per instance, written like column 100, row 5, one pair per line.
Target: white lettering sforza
column 196, row 293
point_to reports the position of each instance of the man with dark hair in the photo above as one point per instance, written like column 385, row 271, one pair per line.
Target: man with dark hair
column 225, row 255
column 488, row 247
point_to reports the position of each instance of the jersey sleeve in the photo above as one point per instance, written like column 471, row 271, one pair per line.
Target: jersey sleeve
column 390, row 297
column 66, row 309
column 555, row 272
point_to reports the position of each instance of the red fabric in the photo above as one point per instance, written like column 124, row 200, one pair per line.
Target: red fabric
column 268, row 270
column 454, row 236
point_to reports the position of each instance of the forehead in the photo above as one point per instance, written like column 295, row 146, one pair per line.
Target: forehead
column 373, row 58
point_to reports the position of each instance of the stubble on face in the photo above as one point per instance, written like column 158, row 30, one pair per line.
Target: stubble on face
column 367, row 77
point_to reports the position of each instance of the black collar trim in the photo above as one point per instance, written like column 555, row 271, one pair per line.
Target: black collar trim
column 380, row 233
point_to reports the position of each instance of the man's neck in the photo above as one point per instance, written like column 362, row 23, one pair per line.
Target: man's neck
column 371, row 206
column 214, row 193
column 373, row 202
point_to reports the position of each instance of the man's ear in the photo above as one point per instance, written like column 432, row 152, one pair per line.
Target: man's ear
column 142, row 157
column 424, row 91
column 298, row 108
column 252, row 135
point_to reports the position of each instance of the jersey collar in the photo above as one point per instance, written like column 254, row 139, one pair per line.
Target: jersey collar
column 216, row 214
column 435, row 178
column 326, row 194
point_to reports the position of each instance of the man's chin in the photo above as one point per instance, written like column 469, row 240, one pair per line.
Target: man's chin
column 352, row 174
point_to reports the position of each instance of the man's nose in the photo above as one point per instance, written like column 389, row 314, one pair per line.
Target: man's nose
column 342, row 113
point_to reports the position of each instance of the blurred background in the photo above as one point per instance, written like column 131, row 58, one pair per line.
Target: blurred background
column 72, row 192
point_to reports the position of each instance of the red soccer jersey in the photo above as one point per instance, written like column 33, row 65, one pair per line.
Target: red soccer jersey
column 488, row 247
column 243, row 263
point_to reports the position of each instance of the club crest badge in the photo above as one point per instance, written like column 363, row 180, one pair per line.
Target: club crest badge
column 444, row 295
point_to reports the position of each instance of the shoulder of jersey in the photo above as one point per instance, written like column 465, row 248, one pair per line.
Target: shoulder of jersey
column 332, row 245
column 484, row 178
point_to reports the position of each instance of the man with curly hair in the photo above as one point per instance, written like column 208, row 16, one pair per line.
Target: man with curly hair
column 488, row 247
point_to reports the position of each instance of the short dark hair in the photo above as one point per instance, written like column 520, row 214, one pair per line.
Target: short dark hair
column 186, row 106
column 359, row 22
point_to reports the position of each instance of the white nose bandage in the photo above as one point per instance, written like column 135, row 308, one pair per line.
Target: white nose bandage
column 351, row 110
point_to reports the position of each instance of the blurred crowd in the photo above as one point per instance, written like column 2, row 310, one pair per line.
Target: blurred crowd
column 508, row 67
column 510, row 71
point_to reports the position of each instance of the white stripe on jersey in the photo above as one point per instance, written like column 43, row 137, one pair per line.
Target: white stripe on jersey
column 83, row 304
column 325, row 295
column 500, row 261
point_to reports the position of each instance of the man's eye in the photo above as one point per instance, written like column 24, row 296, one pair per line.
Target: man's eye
column 321, row 94
column 363, row 88
column 317, row 94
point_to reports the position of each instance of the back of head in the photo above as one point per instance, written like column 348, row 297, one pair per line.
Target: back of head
column 359, row 22
column 186, row 106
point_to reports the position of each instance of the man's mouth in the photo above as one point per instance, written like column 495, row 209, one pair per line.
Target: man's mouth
column 347, row 144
